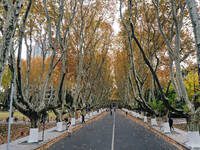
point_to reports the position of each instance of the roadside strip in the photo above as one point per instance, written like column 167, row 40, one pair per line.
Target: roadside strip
column 51, row 142
column 168, row 139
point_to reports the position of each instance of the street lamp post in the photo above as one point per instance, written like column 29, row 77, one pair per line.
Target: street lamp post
column 10, row 111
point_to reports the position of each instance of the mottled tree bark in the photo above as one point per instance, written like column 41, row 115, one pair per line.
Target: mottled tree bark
column 195, row 18
column 35, row 121
column 12, row 11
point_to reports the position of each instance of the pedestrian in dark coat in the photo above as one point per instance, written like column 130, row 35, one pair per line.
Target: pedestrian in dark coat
column 83, row 118
column 171, row 123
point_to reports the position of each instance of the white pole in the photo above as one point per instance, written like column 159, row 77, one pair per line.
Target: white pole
column 10, row 112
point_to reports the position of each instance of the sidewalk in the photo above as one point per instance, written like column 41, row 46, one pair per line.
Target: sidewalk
column 49, row 135
column 179, row 136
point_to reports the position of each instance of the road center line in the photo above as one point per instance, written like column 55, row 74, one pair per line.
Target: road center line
column 113, row 133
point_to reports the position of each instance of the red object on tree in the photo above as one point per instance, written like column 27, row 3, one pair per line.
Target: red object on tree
column 22, row 133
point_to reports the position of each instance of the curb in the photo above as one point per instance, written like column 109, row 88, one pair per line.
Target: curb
column 51, row 142
column 168, row 139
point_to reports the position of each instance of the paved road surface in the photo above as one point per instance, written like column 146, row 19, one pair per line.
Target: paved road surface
column 114, row 132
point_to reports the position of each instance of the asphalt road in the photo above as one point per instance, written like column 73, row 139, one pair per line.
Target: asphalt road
column 114, row 132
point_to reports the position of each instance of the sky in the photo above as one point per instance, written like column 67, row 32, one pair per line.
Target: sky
column 23, row 51
column 116, row 25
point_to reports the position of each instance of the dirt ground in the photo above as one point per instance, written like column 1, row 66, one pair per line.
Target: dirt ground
column 181, row 126
column 17, row 131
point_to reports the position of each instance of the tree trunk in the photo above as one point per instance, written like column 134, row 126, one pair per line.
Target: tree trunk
column 12, row 15
column 172, row 77
column 181, row 85
column 35, row 121
column 195, row 18
column 152, row 89
column 193, row 122
column 58, row 115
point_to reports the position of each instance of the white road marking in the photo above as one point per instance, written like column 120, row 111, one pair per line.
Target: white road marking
column 113, row 133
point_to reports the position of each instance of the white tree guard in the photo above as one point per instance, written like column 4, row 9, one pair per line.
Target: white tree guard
column 80, row 119
column 87, row 116
column 145, row 118
column 33, row 135
column 59, row 126
column 140, row 116
column 133, row 113
column 90, row 114
column 166, row 128
column 137, row 115
column 73, row 121
column 154, row 122
column 64, row 127
column 95, row 113
column 193, row 139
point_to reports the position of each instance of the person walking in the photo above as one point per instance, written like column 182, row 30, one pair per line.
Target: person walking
column 83, row 117
column 69, row 129
column 111, row 112
column 171, row 123
column 66, row 119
